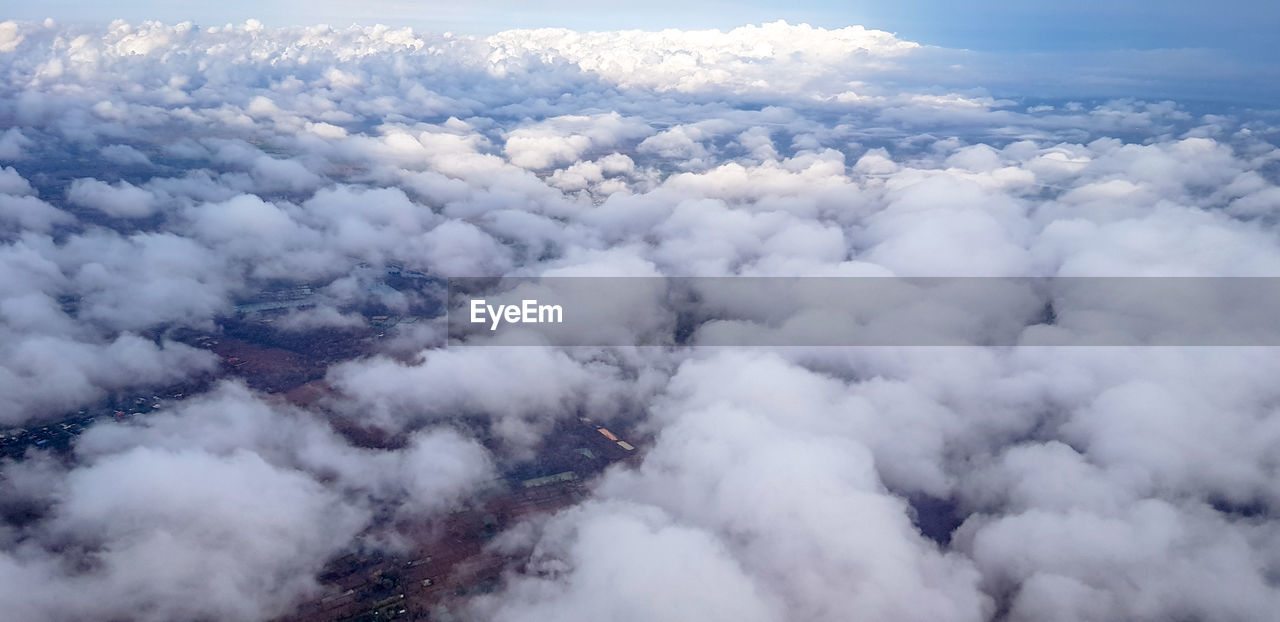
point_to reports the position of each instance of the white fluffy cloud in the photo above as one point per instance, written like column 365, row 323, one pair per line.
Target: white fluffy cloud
column 224, row 506
column 615, row 560
column 121, row 200
column 770, row 57
column 565, row 139
column 758, row 456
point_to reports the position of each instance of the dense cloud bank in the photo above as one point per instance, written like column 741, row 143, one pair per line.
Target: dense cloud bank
column 153, row 176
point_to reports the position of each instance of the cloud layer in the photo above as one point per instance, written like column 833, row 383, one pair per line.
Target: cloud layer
column 153, row 178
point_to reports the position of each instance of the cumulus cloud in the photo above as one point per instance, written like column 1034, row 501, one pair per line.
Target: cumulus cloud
column 566, row 138
column 616, row 559
column 13, row 144
column 120, row 200
column 522, row 392
column 223, row 506
column 781, row 495
column 84, row 371
column 124, row 155
column 28, row 213
column 183, row 535
column 12, row 183
column 747, row 58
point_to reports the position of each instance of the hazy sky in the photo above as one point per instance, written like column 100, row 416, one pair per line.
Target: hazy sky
column 1244, row 27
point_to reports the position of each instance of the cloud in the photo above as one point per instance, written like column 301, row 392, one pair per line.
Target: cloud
column 188, row 534
column 119, row 200
column 159, row 176
column 28, row 213
column 84, row 371
column 566, row 138
column 12, row 183
column 534, row 387
column 13, row 144
column 124, row 155
column 768, row 466
column 10, row 36
column 615, row 560
column 221, row 506
column 742, row 59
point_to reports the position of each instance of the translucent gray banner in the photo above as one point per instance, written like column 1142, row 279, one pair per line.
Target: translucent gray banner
column 891, row 311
